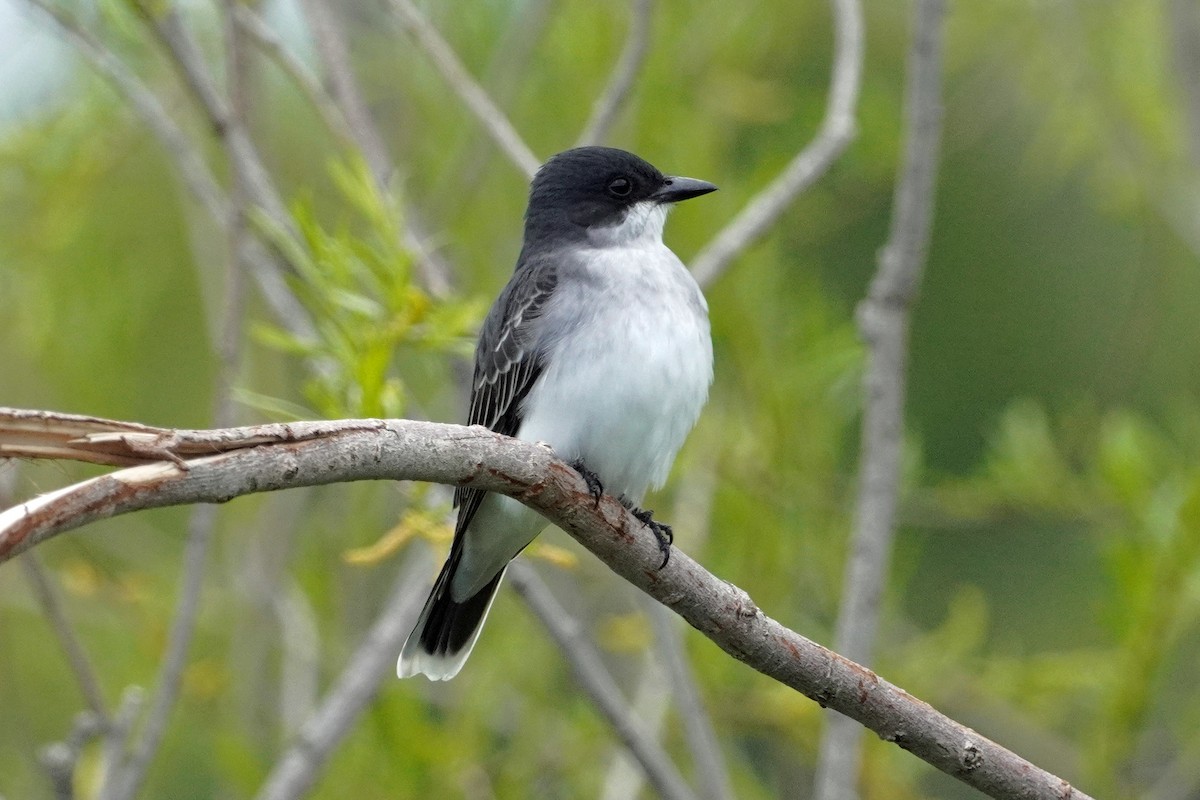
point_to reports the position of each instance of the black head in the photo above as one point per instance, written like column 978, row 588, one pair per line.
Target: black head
column 590, row 188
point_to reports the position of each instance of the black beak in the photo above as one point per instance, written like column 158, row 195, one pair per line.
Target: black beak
column 677, row 189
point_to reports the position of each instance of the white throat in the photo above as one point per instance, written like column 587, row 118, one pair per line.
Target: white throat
column 643, row 224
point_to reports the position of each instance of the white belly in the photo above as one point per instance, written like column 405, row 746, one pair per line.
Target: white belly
column 627, row 371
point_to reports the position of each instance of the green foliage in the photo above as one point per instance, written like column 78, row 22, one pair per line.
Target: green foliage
column 1137, row 488
column 1047, row 576
column 358, row 285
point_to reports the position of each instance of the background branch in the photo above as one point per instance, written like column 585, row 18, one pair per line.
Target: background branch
column 838, row 129
column 126, row 780
column 307, row 454
column 188, row 161
column 884, row 322
column 616, row 92
column 77, row 658
column 347, row 96
column 298, row 769
column 595, row 679
column 467, row 88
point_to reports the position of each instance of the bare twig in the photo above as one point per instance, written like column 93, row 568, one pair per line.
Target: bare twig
column 126, row 781
column 185, row 53
column 610, row 102
column 1183, row 20
column 319, row 453
column 837, row 130
column 297, row 770
column 346, row 95
column 883, row 319
column 189, row 163
column 595, row 679
column 466, row 87
column 61, row 758
column 331, row 45
column 711, row 775
column 129, row 710
column 507, row 69
column 265, row 39
column 650, row 699
column 77, row 657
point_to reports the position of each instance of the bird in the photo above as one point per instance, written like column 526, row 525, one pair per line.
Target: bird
column 599, row 347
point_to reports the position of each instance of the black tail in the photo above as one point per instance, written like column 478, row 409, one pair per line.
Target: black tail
column 446, row 630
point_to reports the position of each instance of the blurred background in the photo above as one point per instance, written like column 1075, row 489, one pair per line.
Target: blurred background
column 1045, row 587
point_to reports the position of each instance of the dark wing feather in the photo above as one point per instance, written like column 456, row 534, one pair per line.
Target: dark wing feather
column 507, row 364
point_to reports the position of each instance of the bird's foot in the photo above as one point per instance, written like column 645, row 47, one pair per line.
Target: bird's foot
column 595, row 487
column 661, row 530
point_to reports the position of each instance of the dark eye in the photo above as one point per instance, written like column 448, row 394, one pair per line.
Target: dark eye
column 620, row 186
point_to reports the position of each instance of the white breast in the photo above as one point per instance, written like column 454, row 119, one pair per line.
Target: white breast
column 629, row 368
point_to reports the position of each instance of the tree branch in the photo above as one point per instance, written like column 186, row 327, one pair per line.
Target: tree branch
column 837, row 130
column 223, row 464
column 610, row 102
column 297, row 769
column 188, row 161
column 467, row 88
column 266, row 40
column 185, row 53
column 707, row 760
column 125, row 782
column 589, row 670
column 883, row 319
column 346, row 95
column 81, row 666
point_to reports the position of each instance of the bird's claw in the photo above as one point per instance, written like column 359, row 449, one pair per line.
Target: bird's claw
column 661, row 530
column 595, row 487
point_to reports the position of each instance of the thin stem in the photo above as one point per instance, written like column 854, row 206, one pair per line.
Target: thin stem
column 185, row 53
column 126, row 782
column 266, row 40
column 595, row 679
column 466, row 87
column 707, row 759
column 347, row 97
column 884, row 325
column 188, row 161
column 85, row 675
column 372, row 663
column 620, row 84
column 228, row 342
column 838, row 129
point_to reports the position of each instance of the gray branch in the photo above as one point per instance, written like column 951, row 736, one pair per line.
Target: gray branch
column 125, row 781
column 189, row 163
column 372, row 663
column 77, row 658
column 707, row 760
column 883, row 319
column 216, row 466
column 610, row 102
column 466, row 87
column 837, row 130
column 344, row 91
column 191, row 166
column 185, row 53
column 266, row 40
column 591, row 673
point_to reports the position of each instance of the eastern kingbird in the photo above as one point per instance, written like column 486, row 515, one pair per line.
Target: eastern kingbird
column 598, row 346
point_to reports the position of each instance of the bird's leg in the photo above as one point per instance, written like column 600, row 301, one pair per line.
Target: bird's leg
column 595, row 487
column 661, row 530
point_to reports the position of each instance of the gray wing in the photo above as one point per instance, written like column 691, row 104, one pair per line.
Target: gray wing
column 507, row 363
